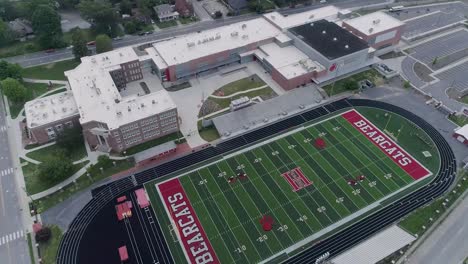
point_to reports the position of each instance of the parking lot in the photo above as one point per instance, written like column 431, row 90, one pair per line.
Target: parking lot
column 456, row 75
column 441, row 47
column 412, row 12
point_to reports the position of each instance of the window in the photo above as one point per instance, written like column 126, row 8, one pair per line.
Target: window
column 59, row 127
column 69, row 124
column 51, row 133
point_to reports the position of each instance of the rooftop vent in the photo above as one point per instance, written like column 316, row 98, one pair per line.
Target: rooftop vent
column 371, row 30
column 117, row 101
column 245, row 36
column 129, row 109
column 234, row 34
column 119, row 113
column 335, row 39
column 244, row 26
column 376, row 22
column 190, row 44
column 311, row 24
column 311, row 16
column 142, row 105
column 153, row 102
column 346, row 46
column 324, row 32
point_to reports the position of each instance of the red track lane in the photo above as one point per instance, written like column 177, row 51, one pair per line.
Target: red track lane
column 387, row 145
column 195, row 242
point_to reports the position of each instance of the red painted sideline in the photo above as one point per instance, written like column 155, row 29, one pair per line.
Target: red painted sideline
column 197, row 246
column 387, row 145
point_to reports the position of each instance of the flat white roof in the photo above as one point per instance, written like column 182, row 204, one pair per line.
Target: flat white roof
column 289, row 61
column 377, row 247
column 463, row 131
column 283, row 22
column 374, row 23
column 50, row 109
column 98, row 99
column 196, row 45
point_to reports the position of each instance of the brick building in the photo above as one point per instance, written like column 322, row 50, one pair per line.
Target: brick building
column 113, row 120
column 48, row 116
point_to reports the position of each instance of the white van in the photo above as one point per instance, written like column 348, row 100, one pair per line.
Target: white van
column 396, row 8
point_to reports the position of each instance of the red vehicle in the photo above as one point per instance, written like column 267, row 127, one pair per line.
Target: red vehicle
column 50, row 50
column 91, row 43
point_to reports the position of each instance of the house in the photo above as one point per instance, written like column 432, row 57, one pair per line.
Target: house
column 21, row 28
column 461, row 134
column 166, row 12
column 184, row 8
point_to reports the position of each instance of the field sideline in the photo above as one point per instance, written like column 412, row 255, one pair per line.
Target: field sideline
column 304, row 188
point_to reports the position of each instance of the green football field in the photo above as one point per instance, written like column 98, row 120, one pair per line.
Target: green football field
column 230, row 209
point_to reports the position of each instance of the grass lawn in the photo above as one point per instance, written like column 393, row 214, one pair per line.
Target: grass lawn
column 339, row 86
column 52, row 71
column 33, row 90
column 223, row 103
column 166, row 24
column 154, row 142
column 18, row 48
column 45, row 153
column 30, row 248
column 49, row 249
column 240, row 85
column 188, row 20
column 209, row 133
column 459, row 120
column 413, row 222
column 82, row 183
column 35, row 185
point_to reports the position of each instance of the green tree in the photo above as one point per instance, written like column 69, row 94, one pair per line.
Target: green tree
column 8, row 11
column 104, row 161
column 47, row 28
column 350, row 85
column 406, row 84
column 44, row 234
column 103, row 43
column 6, row 35
column 28, row 8
column 126, row 7
column 13, row 89
column 70, row 139
column 78, row 40
column 130, row 27
column 10, row 70
column 102, row 14
column 56, row 168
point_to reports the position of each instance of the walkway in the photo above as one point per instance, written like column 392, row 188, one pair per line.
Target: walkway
column 240, row 92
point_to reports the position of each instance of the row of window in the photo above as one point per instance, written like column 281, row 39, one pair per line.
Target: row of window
column 133, row 65
column 129, row 127
column 130, row 134
column 149, row 121
column 60, row 127
column 151, row 134
column 150, row 127
column 132, row 140
column 168, row 121
column 167, row 114
column 169, row 128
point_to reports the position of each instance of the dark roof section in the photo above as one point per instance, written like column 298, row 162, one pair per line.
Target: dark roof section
column 331, row 40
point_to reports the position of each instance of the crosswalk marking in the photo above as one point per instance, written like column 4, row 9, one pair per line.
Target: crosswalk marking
column 6, row 172
column 3, row 128
column 11, row 237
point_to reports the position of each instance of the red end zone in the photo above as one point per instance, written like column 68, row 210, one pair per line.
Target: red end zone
column 388, row 146
column 196, row 245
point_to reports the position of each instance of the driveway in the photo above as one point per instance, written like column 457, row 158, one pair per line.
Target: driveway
column 71, row 20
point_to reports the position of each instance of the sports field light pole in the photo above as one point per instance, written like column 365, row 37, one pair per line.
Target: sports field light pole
column 336, row 76
column 388, row 121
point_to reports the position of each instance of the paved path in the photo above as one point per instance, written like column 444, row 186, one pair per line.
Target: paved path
column 448, row 243
column 407, row 68
column 241, row 92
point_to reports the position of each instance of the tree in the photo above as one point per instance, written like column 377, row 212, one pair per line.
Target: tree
column 10, row 70
column 350, row 85
column 6, row 35
column 47, row 28
column 218, row 14
column 103, row 43
column 8, row 11
column 406, row 84
column 28, row 8
column 70, row 139
column 102, row 15
column 130, row 27
column 13, row 89
column 56, row 168
column 104, row 161
column 43, row 235
column 80, row 49
column 126, row 7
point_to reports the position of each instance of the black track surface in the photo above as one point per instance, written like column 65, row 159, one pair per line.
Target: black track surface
column 95, row 234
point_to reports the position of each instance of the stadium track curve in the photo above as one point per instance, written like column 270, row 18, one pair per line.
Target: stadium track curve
column 335, row 244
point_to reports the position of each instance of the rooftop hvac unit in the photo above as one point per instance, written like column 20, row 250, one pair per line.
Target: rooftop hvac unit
column 190, row 44
column 245, row 36
column 377, row 21
column 324, row 32
column 346, row 46
column 335, row 39
column 234, row 34
column 218, row 36
column 371, row 30
column 311, row 16
column 119, row 113
column 244, row 26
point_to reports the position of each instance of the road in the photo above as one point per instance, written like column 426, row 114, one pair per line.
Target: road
column 13, row 243
column 38, row 58
column 448, row 243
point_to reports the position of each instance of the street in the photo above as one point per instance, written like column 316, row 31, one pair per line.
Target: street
column 41, row 57
column 448, row 243
column 13, row 243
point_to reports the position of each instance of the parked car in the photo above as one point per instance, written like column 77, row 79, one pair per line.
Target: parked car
column 91, row 43
column 117, row 38
column 50, row 50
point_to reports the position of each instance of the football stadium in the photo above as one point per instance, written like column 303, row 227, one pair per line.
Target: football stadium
column 270, row 199
column 311, row 185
